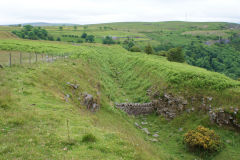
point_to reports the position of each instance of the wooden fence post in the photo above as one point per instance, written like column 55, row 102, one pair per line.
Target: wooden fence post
column 10, row 59
column 20, row 57
column 30, row 58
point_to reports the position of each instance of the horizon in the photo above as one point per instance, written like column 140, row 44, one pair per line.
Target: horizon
column 63, row 23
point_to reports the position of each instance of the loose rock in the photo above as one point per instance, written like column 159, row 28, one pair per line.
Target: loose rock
column 146, row 131
column 155, row 135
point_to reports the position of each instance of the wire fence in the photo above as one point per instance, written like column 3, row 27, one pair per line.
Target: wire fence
column 18, row 58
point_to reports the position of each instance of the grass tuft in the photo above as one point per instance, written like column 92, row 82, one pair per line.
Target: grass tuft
column 89, row 137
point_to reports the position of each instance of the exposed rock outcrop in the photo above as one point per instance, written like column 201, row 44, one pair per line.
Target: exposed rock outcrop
column 229, row 118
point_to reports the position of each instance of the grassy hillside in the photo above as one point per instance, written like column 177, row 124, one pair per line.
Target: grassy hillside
column 34, row 110
column 210, row 45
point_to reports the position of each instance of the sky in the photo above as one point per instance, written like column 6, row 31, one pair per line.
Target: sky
column 105, row 11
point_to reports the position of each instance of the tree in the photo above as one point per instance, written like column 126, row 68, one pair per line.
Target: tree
column 75, row 27
column 90, row 38
column 148, row 49
column 176, row 55
column 108, row 40
column 128, row 43
column 27, row 28
column 84, row 35
column 60, row 28
column 30, row 32
column 58, row 39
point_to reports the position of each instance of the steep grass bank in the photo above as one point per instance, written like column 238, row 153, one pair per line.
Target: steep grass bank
column 135, row 73
column 34, row 117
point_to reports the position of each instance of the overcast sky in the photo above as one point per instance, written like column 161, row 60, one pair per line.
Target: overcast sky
column 102, row 11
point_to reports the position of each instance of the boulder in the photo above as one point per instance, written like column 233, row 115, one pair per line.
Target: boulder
column 90, row 103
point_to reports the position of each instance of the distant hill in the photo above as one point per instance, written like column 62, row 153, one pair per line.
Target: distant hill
column 46, row 24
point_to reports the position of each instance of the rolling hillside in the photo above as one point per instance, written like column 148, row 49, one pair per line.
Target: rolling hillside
column 210, row 45
column 42, row 117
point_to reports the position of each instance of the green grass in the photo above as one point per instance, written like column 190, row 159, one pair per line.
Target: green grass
column 34, row 113
column 34, row 125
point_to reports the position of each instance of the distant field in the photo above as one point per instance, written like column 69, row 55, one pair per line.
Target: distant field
column 6, row 35
column 206, row 33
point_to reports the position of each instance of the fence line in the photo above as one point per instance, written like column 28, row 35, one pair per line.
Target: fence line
column 15, row 58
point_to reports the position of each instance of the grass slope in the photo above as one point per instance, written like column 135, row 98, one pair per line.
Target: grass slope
column 34, row 117
column 34, row 113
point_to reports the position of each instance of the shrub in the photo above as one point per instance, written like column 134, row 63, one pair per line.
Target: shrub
column 135, row 49
column 176, row 55
column 84, row 35
column 148, row 49
column 202, row 138
column 108, row 40
column 90, row 38
column 89, row 138
column 128, row 43
column 79, row 41
column 50, row 38
column 162, row 53
column 58, row 39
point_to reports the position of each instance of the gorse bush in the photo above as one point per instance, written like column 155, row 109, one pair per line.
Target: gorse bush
column 203, row 139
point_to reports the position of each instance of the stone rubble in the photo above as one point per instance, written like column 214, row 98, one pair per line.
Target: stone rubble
column 146, row 131
column 74, row 86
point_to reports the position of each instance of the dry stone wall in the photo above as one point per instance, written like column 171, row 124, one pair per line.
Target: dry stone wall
column 170, row 106
column 167, row 106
